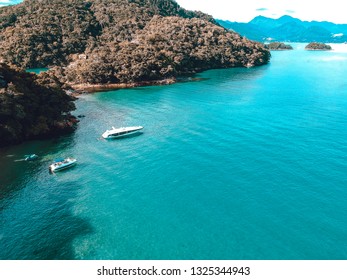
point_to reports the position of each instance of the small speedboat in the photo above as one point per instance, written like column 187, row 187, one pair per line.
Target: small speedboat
column 121, row 132
column 61, row 164
column 30, row 157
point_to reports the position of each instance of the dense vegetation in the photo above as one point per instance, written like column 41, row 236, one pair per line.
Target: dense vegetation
column 318, row 46
column 277, row 46
column 155, row 53
column 114, row 41
column 32, row 106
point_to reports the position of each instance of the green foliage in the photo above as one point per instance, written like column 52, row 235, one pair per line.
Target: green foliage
column 31, row 106
column 110, row 41
column 41, row 33
column 38, row 33
column 179, row 46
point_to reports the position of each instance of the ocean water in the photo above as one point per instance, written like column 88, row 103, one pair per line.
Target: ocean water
column 236, row 164
column 37, row 70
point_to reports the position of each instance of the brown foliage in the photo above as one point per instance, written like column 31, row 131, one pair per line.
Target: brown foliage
column 318, row 46
column 31, row 106
column 278, row 46
column 111, row 41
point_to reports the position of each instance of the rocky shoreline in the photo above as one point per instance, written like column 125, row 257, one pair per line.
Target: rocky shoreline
column 120, row 41
column 90, row 88
column 32, row 107
column 102, row 45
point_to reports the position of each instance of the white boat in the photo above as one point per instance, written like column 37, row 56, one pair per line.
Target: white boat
column 62, row 164
column 121, row 132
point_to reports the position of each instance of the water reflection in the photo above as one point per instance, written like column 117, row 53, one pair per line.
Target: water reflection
column 43, row 223
column 233, row 74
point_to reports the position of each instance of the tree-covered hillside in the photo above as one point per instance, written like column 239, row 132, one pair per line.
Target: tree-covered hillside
column 107, row 41
column 32, row 106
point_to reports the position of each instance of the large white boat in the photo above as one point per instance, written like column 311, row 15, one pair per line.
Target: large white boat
column 62, row 164
column 121, row 132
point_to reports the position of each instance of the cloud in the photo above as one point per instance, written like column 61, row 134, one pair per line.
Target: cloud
column 262, row 9
column 290, row 11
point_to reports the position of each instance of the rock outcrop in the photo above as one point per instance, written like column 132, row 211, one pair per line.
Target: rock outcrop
column 277, row 46
column 32, row 107
column 318, row 46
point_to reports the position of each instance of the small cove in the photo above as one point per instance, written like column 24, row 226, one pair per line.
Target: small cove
column 240, row 164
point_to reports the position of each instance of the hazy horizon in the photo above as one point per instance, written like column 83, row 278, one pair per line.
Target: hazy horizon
column 247, row 10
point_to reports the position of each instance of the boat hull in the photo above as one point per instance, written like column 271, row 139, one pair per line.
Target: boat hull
column 122, row 136
column 55, row 168
column 119, row 133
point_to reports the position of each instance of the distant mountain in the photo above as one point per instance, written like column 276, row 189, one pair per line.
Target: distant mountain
column 289, row 29
column 249, row 30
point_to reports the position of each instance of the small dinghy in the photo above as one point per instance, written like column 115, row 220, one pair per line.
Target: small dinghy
column 30, row 157
column 62, row 164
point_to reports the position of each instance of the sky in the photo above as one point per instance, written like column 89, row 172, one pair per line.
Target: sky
column 246, row 10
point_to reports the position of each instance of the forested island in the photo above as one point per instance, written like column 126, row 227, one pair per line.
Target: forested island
column 120, row 41
column 108, row 44
column 277, row 46
column 318, row 46
column 32, row 106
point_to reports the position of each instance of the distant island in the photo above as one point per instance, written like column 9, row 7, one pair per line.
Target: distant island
column 318, row 46
column 289, row 29
column 32, row 106
column 120, row 41
column 277, row 46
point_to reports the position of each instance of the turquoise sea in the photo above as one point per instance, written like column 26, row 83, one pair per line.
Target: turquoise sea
column 233, row 164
